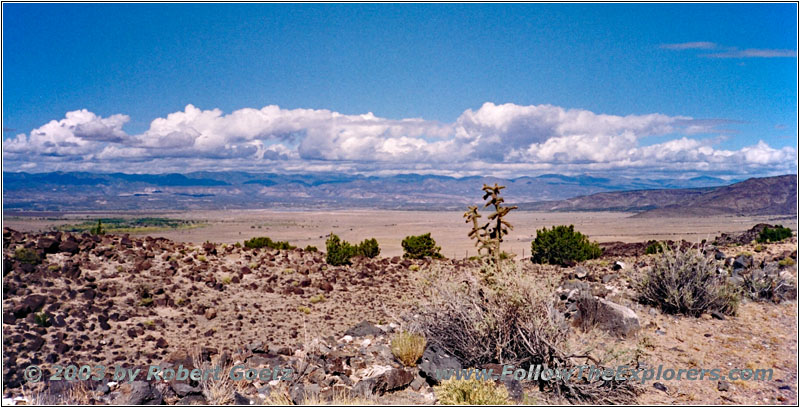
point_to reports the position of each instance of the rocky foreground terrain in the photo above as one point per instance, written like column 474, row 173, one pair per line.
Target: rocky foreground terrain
column 135, row 302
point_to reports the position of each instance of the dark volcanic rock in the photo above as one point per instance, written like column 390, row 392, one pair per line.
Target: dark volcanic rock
column 433, row 359
column 138, row 393
column 364, row 328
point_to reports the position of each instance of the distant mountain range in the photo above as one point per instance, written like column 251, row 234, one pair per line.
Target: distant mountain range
column 79, row 191
column 755, row 196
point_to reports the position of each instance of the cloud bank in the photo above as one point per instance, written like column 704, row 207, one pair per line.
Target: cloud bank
column 730, row 52
column 505, row 140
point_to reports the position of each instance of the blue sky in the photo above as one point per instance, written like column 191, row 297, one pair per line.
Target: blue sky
column 453, row 89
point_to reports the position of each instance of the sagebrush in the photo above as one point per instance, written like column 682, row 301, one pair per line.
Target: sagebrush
column 511, row 321
column 685, row 281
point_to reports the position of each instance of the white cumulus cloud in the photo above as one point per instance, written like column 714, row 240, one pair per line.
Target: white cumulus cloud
column 505, row 139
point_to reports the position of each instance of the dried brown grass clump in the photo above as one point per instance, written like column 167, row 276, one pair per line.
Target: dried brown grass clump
column 216, row 391
column 511, row 321
column 471, row 392
column 78, row 393
column 408, row 348
column 684, row 281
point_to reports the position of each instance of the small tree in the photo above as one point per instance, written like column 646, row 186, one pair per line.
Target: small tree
column 368, row 248
column 420, row 246
column 261, row 242
column 98, row 230
column 338, row 251
column 489, row 235
column 779, row 233
column 562, row 245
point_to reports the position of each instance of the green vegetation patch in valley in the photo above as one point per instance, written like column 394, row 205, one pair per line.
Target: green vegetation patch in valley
column 131, row 225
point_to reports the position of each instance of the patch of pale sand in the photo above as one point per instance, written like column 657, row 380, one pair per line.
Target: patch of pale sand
column 760, row 336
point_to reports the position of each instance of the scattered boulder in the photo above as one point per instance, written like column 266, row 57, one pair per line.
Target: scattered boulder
column 364, row 328
column 609, row 316
column 138, row 393
column 433, row 359
column 743, row 262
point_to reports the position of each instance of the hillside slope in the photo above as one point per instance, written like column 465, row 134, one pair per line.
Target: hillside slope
column 755, row 196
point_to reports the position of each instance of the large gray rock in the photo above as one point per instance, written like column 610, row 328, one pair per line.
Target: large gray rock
column 742, row 262
column 393, row 380
column 609, row 316
column 138, row 393
column 433, row 359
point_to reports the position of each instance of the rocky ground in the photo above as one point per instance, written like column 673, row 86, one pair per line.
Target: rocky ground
column 84, row 299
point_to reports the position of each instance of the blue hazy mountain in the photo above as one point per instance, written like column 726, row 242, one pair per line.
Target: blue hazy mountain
column 74, row 191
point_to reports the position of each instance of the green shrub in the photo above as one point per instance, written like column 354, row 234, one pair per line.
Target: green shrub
column 338, row 251
column 368, row 248
column 471, row 392
column 311, row 248
column 41, row 319
column 776, row 234
column 261, row 242
column 27, row 256
column 686, row 282
column 786, row 262
column 144, row 294
column 562, row 245
column 654, row 248
column 420, row 246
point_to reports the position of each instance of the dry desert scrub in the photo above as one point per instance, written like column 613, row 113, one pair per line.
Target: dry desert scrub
column 511, row 321
column 471, row 392
column 216, row 391
column 408, row 348
column 769, row 284
column 686, row 282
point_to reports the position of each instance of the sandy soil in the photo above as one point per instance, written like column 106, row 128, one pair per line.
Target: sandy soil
column 448, row 228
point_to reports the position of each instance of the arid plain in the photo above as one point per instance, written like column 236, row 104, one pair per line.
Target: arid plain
column 303, row 228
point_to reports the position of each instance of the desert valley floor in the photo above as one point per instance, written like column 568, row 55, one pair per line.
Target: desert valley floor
column 208, row 300
column 448, row 228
